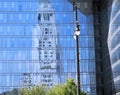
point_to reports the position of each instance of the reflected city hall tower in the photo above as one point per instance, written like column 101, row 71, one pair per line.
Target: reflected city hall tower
column 45, row 39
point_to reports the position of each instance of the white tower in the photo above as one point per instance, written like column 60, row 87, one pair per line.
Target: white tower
column 45, row 39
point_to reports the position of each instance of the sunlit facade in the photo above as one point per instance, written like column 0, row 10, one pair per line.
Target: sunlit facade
column 114, row 43
column 18, row 19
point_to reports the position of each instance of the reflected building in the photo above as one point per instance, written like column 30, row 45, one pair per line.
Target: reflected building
column 45, row 39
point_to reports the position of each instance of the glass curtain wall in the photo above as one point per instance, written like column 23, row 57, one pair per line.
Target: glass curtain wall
column 17, row 21
column 114, row 43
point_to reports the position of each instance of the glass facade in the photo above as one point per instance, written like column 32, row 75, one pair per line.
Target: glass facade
column 106, row 81
column 17, row 21
column 114, row 43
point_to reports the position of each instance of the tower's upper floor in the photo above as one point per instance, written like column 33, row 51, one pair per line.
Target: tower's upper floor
column 46, row 12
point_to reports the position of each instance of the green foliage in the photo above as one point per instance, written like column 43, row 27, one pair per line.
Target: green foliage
column 23, row 91
column 36, row 90
column 83, row 93
column 56, row 90
column 69, row 88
